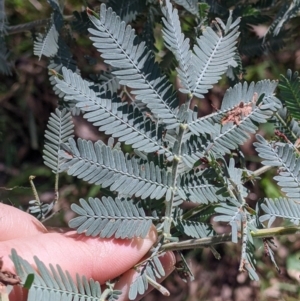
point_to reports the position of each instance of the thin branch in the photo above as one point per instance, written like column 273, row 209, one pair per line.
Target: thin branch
column 197, row 243
column 31, row 25
column 27, row 26
column 257, row 173
column 276, row 231
column 218, row 239
column 261, row 170
column 169, row 203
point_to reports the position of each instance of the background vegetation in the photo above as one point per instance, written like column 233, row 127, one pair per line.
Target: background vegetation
column 26, row 101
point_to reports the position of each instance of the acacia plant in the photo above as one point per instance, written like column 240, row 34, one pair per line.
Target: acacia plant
column 175, row 156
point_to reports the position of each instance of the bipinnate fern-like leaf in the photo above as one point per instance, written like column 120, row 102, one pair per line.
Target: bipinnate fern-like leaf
column 212, row 55
column 234, row 212
column 148, row 272
column 46, row 44
column 147, row 34
column 233, row 182
column 288, row 11
column 203, row 125
column 280, row 208
column 59, row 130
column 106, row 82
column 240, row 110
column 113, row 116
column 190, row 5
column 290, row 92
column 99, row 164
column 118, row 46
column 176, row 42
column 288, row 127
column 284, row 157
column 243, row 108
column 194, row 229
column 239, row 219
column 127, row 9
column 268, row 152
column 196, row 188
column 214, row 52
column 248, row 260
column 230, row 213
column 194, row 149
column 39, row 209
column 64, row 57
column 110, row 217
column 54, row 284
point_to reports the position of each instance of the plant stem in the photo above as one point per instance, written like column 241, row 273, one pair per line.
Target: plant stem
column 56, row 188
column 197, row 243
column 214, row 240
column 31, row 25
column 36, row 196
column 276, row 231
column 27, row 26
column 169, row 204
column 261, row 170
column 196, row 210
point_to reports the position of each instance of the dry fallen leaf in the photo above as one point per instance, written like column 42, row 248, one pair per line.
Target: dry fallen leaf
column 240, row 111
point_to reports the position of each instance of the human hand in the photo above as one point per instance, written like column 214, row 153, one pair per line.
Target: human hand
column 100, row 259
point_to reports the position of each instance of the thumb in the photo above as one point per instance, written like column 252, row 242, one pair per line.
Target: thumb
column 100, row 259
column 15, row 223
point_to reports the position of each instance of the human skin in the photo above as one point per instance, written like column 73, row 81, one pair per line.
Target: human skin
column 97, row 258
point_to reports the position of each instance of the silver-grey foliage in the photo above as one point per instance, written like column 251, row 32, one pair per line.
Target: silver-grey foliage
column 53, row 283
column 99, row 164
column 164, row 129
column 46, row 44
column 127, row 10
column 287, row 11
column 189, row 5
column 152, row 269
column 196, row 188
column 212, row 55
column 175, row 156
column 59, row 130
column 112, row 116
column 138, row 70
column 109, row 217
column 192, row 228
column 284, row 157
column 286, row 124
column 255, row 103
column 280, row 208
